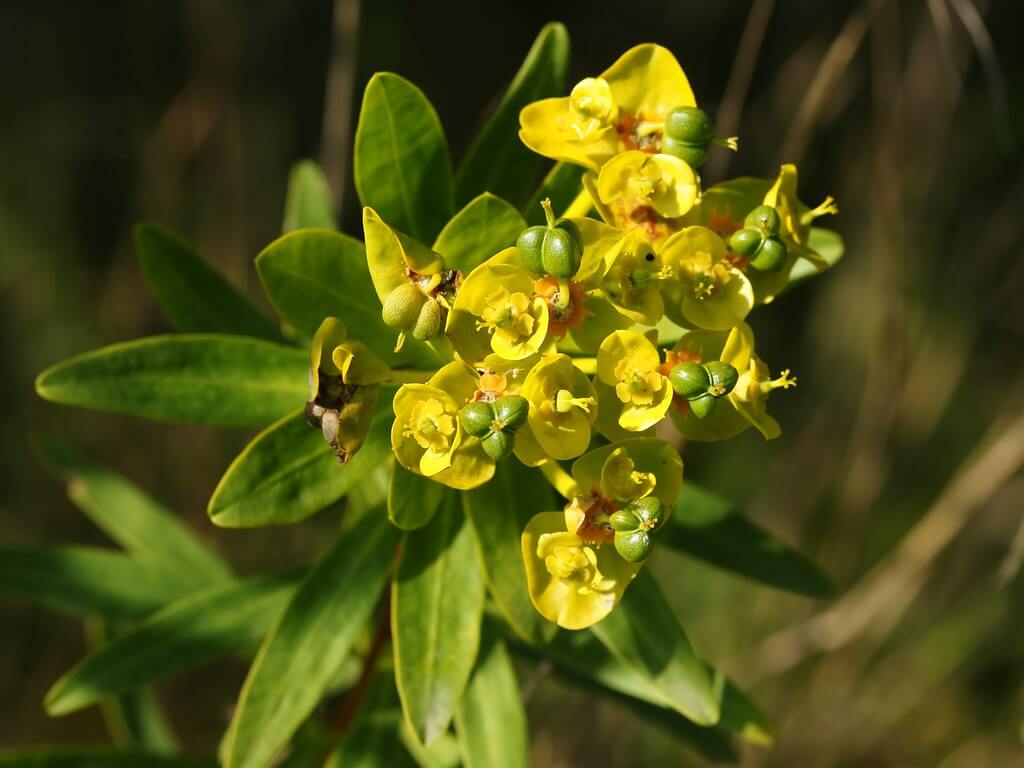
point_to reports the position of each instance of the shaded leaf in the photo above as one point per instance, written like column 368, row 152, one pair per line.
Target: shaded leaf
column 201, row 378
column 828, row 245
column 485, row 226
column 372, row 742
column 562, row 184
column 308, row 200
column 401, row 164
column 194, row 296
column 309, row 642
column 96, row 757
column 412, row 499
column 436, row 609
column 498, row 161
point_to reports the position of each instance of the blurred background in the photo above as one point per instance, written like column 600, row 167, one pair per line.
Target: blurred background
column 899, row 466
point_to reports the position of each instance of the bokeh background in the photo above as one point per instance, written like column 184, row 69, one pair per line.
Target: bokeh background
column 899, row 466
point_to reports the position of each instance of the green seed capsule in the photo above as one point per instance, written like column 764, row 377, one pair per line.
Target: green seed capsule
column 694, row 155
column 402, row 306
column 529, row 246
column 745, row 241
column 647, row 511
column 633, row 546
column 574, row 231
column 689, row 125
column 624, row 520
column 702, row 406
column 428, row 323
column 723, row 378
column 498, row 445
column 765, row 219
column 771, row 256
column 555, row 251
column 476, row 418
column 511, row 410
column 689, row 380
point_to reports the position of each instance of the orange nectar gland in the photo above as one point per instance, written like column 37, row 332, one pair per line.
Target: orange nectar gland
column 595, row 511
column 569, row 318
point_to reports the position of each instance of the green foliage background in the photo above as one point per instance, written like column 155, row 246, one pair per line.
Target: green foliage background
column 909, row 352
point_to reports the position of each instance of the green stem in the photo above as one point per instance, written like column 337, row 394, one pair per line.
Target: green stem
column 581, row 206
column 560, row 480
column 549, row 213
column 564, row 293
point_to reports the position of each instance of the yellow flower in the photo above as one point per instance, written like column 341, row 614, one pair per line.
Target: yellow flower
column 621, row 109
column 632, row 280
column 563, row 405
column 628, row 365
column 630, row 469
column 639, row 190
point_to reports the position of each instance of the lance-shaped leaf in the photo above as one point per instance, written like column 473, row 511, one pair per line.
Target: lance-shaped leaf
column 84, row 581
column 645, row 635
column 498, row 512
column 705, row 526
column 485, row 226
column 316, row 273
column 561, row 185
column 436, row 608
column 498, row 161
column 191, row 631
column 202, row 378
column 412, row 499
column 289, row 472
column 401, row 164
column 490, row 720
column 96, row 757
column 130, row 517
column 194, row 296
column 308, row 200
column 309, row 641
column 828, row 245
column 372, row 742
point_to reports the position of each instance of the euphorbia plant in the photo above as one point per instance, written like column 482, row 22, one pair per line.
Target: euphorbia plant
column 502, row 405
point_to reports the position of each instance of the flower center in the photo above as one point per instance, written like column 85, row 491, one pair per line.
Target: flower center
column 574, row 563
column 637, row 386
column 508, row 315
column 430, row 426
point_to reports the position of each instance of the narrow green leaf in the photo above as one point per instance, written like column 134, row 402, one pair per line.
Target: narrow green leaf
column 372, row 742
column 498, row 512
column 194, row 296
column 705, row 526
column 190, row 631
column 146, row 723
column 83, row 581
column 131, row 518
column 436, row 608
column 485, row 226
column 412, row 499
column 828, row 245
column 562, row 184
column 401, row 164
column 289, row 472
column 201, row 378
column 498, row 161
column 309, row 641
column 308, row 200
column 316, row 273
column 644, row 634
column 443, row 753
column 490, row 720
column 96, row 757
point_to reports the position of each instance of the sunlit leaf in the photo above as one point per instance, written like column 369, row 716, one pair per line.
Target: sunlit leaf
column 828, row 245
column 485, row 226
column 412, row 499
column 308, row 200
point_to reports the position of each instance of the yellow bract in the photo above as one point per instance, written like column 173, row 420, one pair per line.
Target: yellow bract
column 563, row 405
column 639, row 188
column 630, row 363
column 633, row 279
column 632, row 469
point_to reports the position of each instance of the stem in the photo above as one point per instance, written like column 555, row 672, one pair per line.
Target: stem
column 560, row 480
column 549, row 214
column 564, row 293
column 581, row 205
column 410, row 377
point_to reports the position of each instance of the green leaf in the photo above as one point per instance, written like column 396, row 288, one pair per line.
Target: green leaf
column 309, row 642
column 316, row 273
column 498, row 161
column 436, row 607
column 372, row 742
column 201, row 378
column 289, row 472
column 197, row 628
column 401, row 164
column 443, row 753
column 96, row 757
column 490, row 720
column 308, row 200
column 485, row 226
column 828, row 245
column 194, row 296
column 83, row 581
column 644, row 634
column 498, row 512
column 562, row 184
column 131, row 518
column 412, row 499
column 145, row 722
column 704, row 526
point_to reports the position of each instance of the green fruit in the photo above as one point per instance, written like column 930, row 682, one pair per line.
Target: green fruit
column 723, row 378
column 555, row 251
column 689, row 125
column 689, row 380
column 771, row 256
column 574, row 231
column 745, row 241
column 702, row 406
column 694, row 155
column 646, row 510
column 428, row 323
column 623, row 520
column 765, row 219
column 511, row 410
column 402, row 306
column 529, row 245
column 498, row 445
column 633, row 546
column 477, row 418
